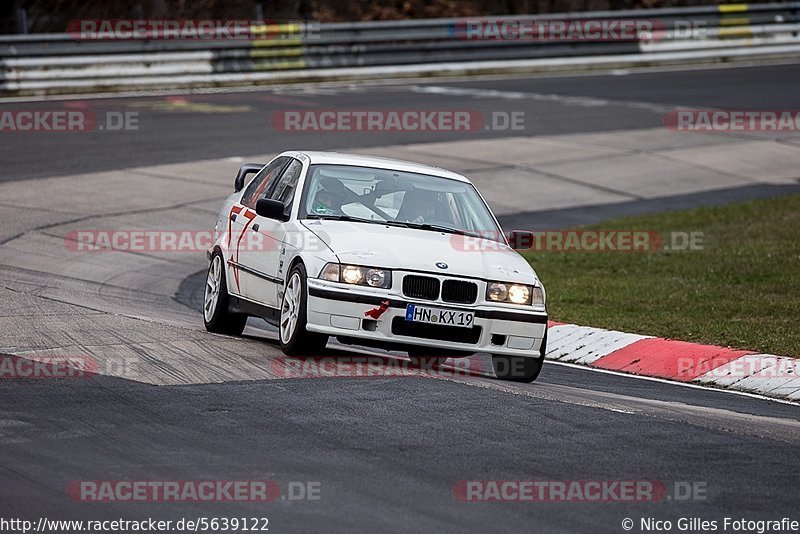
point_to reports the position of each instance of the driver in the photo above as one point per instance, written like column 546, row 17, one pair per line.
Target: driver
column 419, row 206
column 330, row 196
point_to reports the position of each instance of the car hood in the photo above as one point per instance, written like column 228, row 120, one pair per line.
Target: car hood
column 378, row 245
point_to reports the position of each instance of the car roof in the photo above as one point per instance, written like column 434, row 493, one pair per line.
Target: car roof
column 358, row 160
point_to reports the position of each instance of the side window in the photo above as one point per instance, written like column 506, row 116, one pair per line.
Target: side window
column 284, row 188
column 261, row 181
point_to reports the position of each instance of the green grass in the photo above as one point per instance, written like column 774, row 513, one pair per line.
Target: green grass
column 742, row 290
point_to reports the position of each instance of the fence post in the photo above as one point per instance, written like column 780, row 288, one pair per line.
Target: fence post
column 22, row 21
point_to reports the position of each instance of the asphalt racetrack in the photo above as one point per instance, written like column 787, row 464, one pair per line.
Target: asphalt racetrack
column 387, row 454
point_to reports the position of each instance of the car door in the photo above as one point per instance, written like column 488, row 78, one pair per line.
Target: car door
column 240, row 220
column 264, row 261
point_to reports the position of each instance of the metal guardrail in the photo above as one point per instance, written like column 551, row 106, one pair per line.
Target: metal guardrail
column 61, row 63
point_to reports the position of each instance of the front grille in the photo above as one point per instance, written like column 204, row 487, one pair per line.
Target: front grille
column 421, row 287
column 459, row 291
column 401, row 327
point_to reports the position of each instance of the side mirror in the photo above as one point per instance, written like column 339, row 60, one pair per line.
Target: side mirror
column 271, row 209
column 520, row 240
column 244, row 170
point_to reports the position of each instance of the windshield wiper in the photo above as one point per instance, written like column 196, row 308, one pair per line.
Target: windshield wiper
column 401, row 224
column 438, row 228
column 347, row 218
column 333, row 217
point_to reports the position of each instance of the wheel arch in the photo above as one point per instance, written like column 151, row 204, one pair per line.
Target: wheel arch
column 217, row 248
column 292, row 264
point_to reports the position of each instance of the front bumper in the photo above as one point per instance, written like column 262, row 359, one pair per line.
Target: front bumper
column 343, row 311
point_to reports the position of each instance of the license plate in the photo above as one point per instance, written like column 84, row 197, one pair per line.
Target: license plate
column 423, row 314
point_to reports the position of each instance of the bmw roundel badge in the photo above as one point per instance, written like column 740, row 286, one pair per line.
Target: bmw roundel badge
column 441, row 265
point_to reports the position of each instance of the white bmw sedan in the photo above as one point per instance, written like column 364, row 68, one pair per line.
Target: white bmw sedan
column 374, row 252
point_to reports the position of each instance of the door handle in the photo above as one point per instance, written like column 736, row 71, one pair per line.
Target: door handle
column 233, row 216
column 255, row 227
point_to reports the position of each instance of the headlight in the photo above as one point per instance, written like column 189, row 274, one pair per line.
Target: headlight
column 378, row 278
column 497, row 292
column 357, row 275
column 514, row 293
column 352, row 275
column 519, row 294
column 330, row 272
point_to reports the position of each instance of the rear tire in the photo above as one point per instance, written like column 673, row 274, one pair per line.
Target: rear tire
column 295, row 339
column 216, row 315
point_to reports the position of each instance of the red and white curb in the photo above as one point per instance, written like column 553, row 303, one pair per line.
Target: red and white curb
column 763, row 374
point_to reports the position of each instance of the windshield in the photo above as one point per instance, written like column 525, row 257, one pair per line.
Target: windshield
column 375, row 195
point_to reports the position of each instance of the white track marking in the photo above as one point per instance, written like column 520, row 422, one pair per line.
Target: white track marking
column 679, row 384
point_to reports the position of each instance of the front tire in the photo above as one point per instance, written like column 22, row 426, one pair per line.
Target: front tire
column 520, row 368
column 516, row 368
column 295, row 339
column 216, row 316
